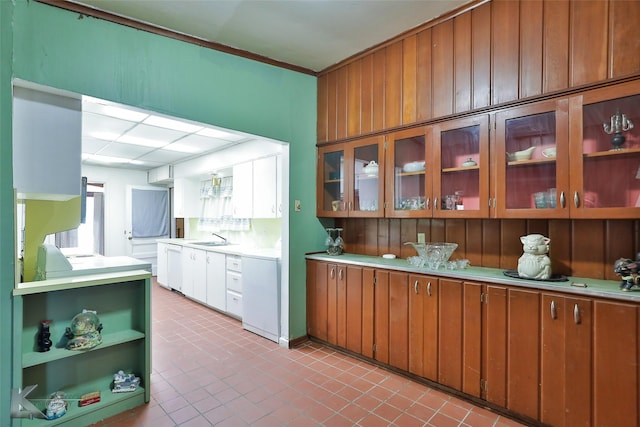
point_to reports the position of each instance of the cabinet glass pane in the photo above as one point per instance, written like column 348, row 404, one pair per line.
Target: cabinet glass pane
column 333, row 186
column 366, row 185
column 611, row 175
column 459, row 159
column 409, row 173
column 531, row 166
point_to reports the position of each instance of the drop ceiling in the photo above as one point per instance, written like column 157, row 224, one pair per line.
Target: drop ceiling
column 308, row 34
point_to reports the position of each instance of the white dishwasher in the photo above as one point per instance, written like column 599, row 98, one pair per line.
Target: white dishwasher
column 261, row 296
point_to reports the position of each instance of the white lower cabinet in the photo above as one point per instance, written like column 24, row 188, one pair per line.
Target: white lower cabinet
column 194, row 274
column 162, row 265
column 216, row 281
column 234, row 285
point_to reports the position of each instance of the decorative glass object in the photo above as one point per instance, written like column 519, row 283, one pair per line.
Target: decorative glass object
column 434, row 254
column 84, row 332
column 334, row 241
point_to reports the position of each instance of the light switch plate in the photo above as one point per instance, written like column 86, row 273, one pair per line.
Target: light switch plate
column 297, row 206
column 421, row 238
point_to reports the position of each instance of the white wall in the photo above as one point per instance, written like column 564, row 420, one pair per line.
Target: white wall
column 115, row 182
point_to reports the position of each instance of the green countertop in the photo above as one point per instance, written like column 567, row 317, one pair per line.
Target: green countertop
column 594, row 287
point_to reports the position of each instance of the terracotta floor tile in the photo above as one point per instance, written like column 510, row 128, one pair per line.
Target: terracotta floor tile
column 208, row 371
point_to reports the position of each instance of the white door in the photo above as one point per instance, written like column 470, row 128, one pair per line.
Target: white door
column 147, row 210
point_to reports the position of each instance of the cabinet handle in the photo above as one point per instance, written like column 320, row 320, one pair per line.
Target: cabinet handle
column 562, row 200
column 576, row 314
column 349, row 206
column 340, row 274
column 435, row 203
column 332, row 273
column 428, row 203
column 429, row 288
column 554, row 313
column 415, row 287
column 576, row 199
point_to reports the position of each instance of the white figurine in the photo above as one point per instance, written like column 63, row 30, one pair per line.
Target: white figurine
column 534, row 262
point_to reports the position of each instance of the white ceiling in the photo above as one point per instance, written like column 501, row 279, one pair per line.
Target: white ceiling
column 312, row 34
column 118, row 136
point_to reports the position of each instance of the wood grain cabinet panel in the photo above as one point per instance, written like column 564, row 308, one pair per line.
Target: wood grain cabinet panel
column 615, row 364
column 323, row 113
column 505, row 38
column 623, row 38
column 341, row 102
column 381, row 317
column 565, row 378
column 423, row 326
column 366, row 94
column 354, row 309
column 588, row 60
column 462, row 63
column 531, row 30
column 378, row 88
column 555, row 55
column 393, row 85
column 442, row 68
column 481, row 55
column 399, row 320
column 317, row 274
column 354, row 105
column 332, row 103
column 409, row 79
column 450, row 323
column 423, row 75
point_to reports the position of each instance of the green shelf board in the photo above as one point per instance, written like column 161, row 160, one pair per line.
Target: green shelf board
column 108, row 340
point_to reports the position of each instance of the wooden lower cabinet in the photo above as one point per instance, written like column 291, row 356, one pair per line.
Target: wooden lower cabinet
column 549, row 357
column 512, row 331
column 615, row 364
column 565, row 360
column 392, row 318
column 460, row 335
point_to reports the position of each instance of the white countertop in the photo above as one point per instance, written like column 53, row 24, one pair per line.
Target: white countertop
column 230, row 249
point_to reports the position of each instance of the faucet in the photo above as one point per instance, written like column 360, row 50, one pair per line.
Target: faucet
column 220, row 237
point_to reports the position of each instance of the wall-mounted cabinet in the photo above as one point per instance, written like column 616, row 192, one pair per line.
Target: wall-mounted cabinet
column 242, row 198
column 267, row 197
column 47, row 139
column 531, row 161
column 186, row 195
column 350, row 179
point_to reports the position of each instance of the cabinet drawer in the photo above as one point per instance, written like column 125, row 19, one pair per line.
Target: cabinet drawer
column 234, row 303
column 234, row 281
column 234, row 263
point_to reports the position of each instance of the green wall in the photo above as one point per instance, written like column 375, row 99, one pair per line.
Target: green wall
column 65, row 50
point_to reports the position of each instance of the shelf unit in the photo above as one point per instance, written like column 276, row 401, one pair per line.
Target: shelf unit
column 122, row 301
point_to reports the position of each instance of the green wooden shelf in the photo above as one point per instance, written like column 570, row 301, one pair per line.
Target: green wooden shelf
column 108, row 340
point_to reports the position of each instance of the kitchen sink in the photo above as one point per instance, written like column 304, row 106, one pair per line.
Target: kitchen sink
column 211, row 243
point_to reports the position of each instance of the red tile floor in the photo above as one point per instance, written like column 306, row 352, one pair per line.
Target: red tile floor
column 208, row 371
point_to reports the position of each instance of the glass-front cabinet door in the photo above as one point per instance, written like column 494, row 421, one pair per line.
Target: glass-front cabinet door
column 605, row 155
column 349, row 181
column 461, row 172
column 409, row 172
column 530, row 161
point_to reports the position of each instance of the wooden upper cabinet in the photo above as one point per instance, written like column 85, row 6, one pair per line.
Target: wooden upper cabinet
column 588, row 41
column 462, row 63
column 423, row 76
column 481, row 55
column 442, row 68
column 341, row 103
column 555, row 50
column 409, row 82
column 393, row 85
column 322, row 121
column 623, row 36
column 354, row 98
column 505, row 46
column 531, row 24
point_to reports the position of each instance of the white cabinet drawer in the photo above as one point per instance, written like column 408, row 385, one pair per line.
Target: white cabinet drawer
column 234, row 281
column 234, row 263
column 234, row 303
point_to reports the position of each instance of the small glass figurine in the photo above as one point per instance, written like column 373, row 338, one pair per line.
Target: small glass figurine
column 334, row 241
column 84, row 332
column 56, row 406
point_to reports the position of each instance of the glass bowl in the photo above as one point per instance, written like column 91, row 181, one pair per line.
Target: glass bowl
column 434, row 254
